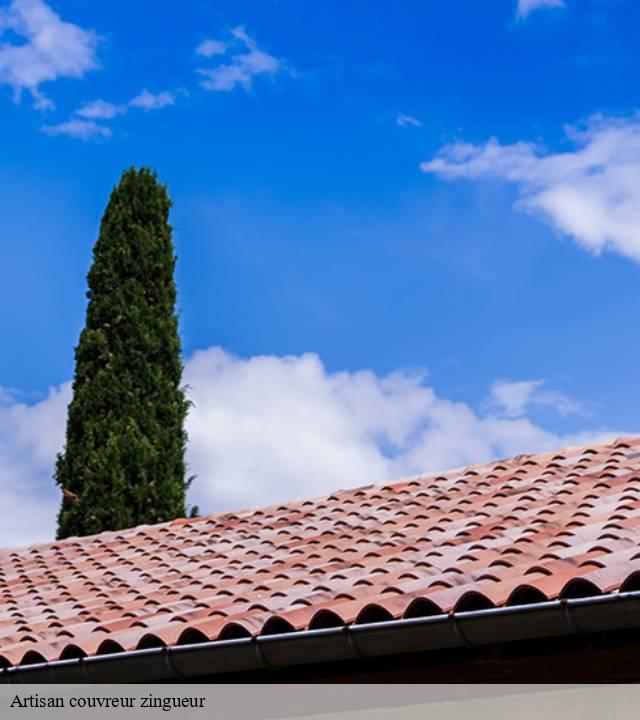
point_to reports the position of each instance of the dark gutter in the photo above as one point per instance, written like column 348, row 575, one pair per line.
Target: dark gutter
column 472, row 629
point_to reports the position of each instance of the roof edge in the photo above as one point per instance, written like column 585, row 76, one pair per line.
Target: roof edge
column 471, row 629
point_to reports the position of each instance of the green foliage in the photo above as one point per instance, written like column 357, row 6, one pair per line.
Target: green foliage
column 123, row 462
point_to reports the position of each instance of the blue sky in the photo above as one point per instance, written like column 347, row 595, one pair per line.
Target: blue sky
column 447, row 194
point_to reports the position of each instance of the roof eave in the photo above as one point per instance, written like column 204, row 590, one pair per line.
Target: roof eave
column 471, row 629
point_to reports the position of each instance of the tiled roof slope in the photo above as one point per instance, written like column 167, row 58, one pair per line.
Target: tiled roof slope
column 558, row 524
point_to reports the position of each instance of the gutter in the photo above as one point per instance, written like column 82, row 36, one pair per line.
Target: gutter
column 471, row 629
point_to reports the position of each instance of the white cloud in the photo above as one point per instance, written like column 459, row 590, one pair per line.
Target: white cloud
column 30, row 437
column 51, row 49
column 241, row 67
column 88, row 129
column 590, row 193
column 80, row 129
column 145, row 100
column 100, row 110
column 405, row 120
column 209, row 48
column 528, row 6
column 148, row 101
column 267, row 429
column 514, row 399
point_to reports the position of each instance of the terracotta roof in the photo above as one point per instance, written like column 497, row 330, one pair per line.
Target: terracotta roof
column 557, row 524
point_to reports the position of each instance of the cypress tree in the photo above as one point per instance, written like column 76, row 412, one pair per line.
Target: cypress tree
column 123, row 461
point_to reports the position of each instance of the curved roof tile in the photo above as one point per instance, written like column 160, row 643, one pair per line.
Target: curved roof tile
column 517, row 531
